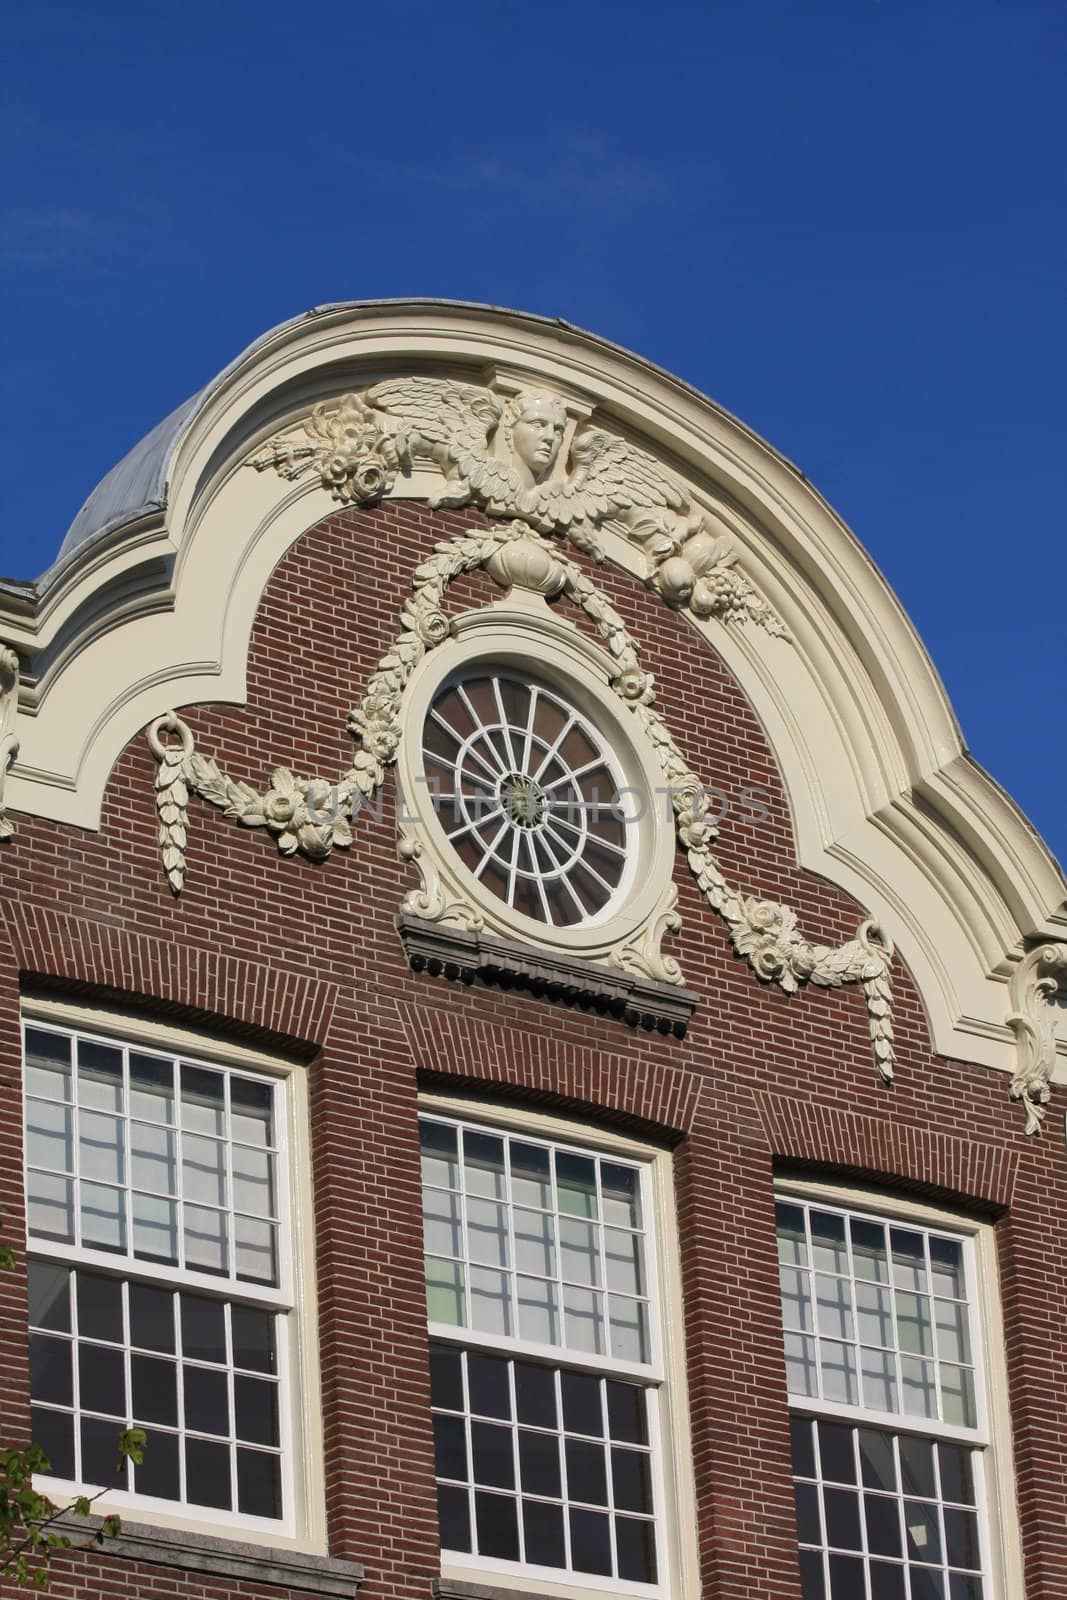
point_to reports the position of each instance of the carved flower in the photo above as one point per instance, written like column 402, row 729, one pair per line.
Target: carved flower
column 369, row 479
column 695, row 830
column 335, row 467
column 434, row 628
column 634, row 685
column 283, row 803
column 381, row 742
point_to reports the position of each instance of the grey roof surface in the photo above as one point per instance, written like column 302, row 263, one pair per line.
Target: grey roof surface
column 137, row 482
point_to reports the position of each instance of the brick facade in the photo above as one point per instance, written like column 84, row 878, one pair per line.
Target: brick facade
column 305, row 957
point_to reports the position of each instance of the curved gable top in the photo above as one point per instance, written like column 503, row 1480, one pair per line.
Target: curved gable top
column 152, row 600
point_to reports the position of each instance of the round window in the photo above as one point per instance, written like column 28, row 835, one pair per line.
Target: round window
column 528, row 795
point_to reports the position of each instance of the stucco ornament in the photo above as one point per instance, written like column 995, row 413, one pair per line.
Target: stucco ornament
column 9, row 741
column 524, row 458
column 1038, row 978
column 763, row 932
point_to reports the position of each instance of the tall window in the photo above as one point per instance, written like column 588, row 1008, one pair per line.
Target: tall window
column 545, row 1350
column 158, row 1272
column 889, row 1421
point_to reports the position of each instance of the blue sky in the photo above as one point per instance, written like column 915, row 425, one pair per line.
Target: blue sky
column 846, row 222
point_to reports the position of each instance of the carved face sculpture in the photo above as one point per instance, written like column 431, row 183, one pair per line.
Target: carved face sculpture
column 537, row 432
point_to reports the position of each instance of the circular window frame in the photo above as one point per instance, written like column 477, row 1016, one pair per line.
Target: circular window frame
column 579, row 670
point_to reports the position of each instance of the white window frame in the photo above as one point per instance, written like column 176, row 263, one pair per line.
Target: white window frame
column 995, row 1484
column 293, row 1300
column 663, row 1378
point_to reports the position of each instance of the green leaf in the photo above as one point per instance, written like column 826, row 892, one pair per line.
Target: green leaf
column 81, row 1506
column 131, row 1444
column 112, row 1527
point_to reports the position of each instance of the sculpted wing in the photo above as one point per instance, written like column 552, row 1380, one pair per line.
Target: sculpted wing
column 451, row 423
column 616, row 477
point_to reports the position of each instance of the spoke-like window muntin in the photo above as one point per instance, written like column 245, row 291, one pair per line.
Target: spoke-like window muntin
column 877, row 1316
column 200, row 1375
column 535, row 1243
column 153, row 1158
column 886, row 1516
column 544, row 1466
column 528, row 795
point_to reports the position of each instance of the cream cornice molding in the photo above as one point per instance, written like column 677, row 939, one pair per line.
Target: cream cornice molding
column 885, row 801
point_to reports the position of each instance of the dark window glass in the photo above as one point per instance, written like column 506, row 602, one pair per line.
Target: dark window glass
column 543, row 1529
column 207, row 1473
column 49, row 1293
column 102, row 1063
column 842, row 1519
column 957, row 1478
column 883, row 1525
column 876, row 1460
column 535, row 1394
column 812, row 1584
column 807, row 1502
column 581, row 1407
column 207, row 1402
column 917, row 1467
column 925, row 1584
column 636, row 1545
column 253, row 1338
column 151, row 1317
column 102, row 1379
column 923, row 1531
column 101, row 1463
column 496, row 1516
column 54, row 1432
column 158, row 1473
column 494, row 1464
column 446, row 1378
column 54, row 1047
column 259, row 1484
column 961, row 1538
column 590, row 1542
column 539, row 1463
column 631, row 1480
column 203, row 1100
column 453, row 1511
column 203, row 1328
column 802, row 1447
column 51, row 1370
column 100, row 1307
column 846, row 1578
column 836, row 1454
column 887, row 1583
column 587, row 1477
column 961, row 1587
column 155, row 1390
column 626, row 1413
column 256, row 1404
column 487, row 1382
column 450, row 1447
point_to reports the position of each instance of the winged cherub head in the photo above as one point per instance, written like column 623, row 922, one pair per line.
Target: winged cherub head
column 534, row 425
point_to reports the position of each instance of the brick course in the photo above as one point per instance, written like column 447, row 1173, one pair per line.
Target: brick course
column 306, row 954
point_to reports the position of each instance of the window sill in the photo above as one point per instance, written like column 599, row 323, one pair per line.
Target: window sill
column 231, row 1558
column 464, row 955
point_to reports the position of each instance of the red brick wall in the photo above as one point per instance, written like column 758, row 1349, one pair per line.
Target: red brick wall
column 290, row 950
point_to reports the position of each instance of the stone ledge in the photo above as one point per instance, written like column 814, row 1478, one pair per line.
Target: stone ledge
column 464, row 956
column 459, row 1589
column 230, row 1558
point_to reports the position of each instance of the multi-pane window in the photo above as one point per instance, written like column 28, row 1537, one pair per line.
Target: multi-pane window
column 888, row 1432
column 158, row 1277
column 540, row 1295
